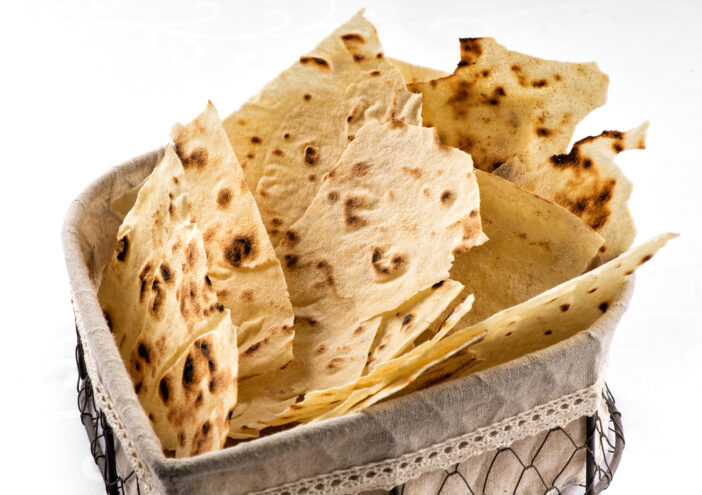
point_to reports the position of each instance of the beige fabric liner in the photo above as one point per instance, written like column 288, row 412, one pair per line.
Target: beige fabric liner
column 387, row 433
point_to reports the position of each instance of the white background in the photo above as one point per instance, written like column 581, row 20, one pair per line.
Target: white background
column 87, row 85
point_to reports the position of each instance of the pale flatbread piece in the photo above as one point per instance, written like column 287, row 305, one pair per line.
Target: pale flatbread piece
column 385, row 225
column 589, row 183
column 241, row 262
column 456, row 366
column 401, row 327
column 500, row 103
column 407, row 371
column 295, row 129
column 321, row 404
column 552, row 316
column 533, row 246
column 157, row 301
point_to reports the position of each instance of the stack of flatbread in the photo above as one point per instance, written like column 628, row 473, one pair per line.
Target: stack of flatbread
column 363, row 228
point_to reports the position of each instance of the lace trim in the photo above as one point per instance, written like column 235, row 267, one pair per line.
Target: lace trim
column 104, row 403
column 393, row 472
column 389, row 473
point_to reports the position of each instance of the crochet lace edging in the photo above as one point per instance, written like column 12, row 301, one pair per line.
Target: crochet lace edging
column 393, row 472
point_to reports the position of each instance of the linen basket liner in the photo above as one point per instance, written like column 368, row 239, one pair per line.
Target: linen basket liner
column 392, row 442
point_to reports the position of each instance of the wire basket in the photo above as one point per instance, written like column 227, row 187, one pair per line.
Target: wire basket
column 603, row 447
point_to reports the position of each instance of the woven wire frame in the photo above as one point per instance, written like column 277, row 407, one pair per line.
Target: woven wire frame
column 609, row 439
column 102, row 441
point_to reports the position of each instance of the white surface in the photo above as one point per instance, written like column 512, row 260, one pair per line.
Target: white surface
column 86, row 85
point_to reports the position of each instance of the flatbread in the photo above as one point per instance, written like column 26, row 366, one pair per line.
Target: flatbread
column 456, row 366
column 294, row 130
column 552, row 316
column 406, row 371
column 416, row 73
column 157, row 299
column 335, row 401
column 500, row 103
column 587, row 182
column 384, row 226
column 534, row 245
column 191, row 407
column 241, row 263
column 400, row 328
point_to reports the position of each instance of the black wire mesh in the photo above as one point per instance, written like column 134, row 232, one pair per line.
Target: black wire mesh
column 607, row 439
column 102, row 441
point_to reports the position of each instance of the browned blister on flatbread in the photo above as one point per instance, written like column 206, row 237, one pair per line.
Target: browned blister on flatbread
column 499, row 103
column 294, row 130
column 195, row 398
column 156, row 295
column 588, row 182
column 241, row 264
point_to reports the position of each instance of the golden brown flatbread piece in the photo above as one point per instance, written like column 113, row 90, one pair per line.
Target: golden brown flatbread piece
column 241, row 263
column 499, row 103
column 158, row 301
column 589, row 183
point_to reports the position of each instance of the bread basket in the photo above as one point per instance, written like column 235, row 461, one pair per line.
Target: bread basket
column 467, row 425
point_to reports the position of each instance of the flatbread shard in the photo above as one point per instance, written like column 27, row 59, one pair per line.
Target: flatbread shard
column 552, row 316
column 533, row 245
column 589, row 183
column 500, row 103
column 322, row 404
column 241, row 262
column 191, row 407
column 386, row 222
column 384, row 226
column 329, row 350
column 401, row 327
column 157, row 299
column 295, row 129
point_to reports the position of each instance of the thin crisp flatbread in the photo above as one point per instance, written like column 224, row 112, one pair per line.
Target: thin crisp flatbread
column 533, row 246
column 407, row 370
column 191, row 407
column 385, row 225
column 589, row 183
column 499, row 103
column 322, row 404
column 157, row 301
column 456, row 366
column 400, row 328
column 552, row 316
column 289, row 135
column 241, row 262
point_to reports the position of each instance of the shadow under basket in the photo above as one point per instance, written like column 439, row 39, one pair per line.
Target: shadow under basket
column 601, row 452
column 542, row 423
